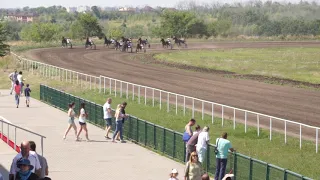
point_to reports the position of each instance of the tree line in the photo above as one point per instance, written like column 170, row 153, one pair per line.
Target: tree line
column 191, row 19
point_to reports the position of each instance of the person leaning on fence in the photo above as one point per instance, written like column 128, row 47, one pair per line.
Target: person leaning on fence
column 82, row 121
column 42, row 160
column 223, row 146
column 13, row 78
column 123, row 111
column 203, row 141
column 71, row 116
column 119, row 118
column 107, row 116
column 188, row 130
column 191, row 144
column 193, row 169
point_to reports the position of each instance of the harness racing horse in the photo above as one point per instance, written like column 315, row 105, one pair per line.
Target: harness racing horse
column 140, row 47
column 144, row 42
column 126, row 45
column 166, row 44
column 107, row 42
column 117, row 45
column 180, row 41
column 65, row 42
column 90, row 43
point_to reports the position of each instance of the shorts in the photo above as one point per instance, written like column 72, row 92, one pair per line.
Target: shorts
column 108, row 121
column 81, row 123
column 28, row 98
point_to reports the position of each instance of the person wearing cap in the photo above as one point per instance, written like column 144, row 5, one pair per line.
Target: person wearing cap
column 223, row 147
column 174, row 174
column 203, row 141
column 25, row 172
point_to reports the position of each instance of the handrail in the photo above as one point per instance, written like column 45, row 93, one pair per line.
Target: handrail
column 4, row 121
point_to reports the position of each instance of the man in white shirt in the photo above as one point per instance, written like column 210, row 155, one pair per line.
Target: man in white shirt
column 203, row 141
column 107, row 116
column 34, row 161
column 13, row 78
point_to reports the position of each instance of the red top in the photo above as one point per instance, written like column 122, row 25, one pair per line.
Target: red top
column 17, row 89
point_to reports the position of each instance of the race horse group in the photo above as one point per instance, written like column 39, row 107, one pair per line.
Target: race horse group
column 126, row 44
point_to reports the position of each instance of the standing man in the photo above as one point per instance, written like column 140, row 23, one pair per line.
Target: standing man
column 223, row 145
column 191, row 144
column 25, row 153
column 203, row 141
column 188, row 130
column 13, row 78
column 42, row 160
column 107, row 116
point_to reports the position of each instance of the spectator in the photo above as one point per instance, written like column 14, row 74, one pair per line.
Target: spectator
column 27, row 92
column 188, row 130
column 223, row 145
column 20, row 79
column 205, row 177
column 191, row 144
column 203, row 141
column 82, row 121
column 107, row 115
column 123, row 107
column 13, row 78
column 71, row 115
column 174, row 174
column 119, row 118
column 228, row 177
column 25, row 149
column 25, row 172
column 42, row 160
column 194, row 169
column 17, row 90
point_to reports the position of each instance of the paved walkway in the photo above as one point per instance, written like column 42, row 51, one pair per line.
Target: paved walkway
column 68, row 159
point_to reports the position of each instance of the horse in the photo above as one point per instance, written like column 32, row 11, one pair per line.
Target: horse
column 140, row 47
column 180, row 41
column 166, row 44
column 144, row 42
column 116, row 45
column 107, row 42
column 65, row 42
column 90, row 43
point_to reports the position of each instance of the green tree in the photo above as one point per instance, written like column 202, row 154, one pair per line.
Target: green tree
column 4, row 48
column 115, row 33
column 40, row 32
column 212, row 29
column 134, row 31
column 222, row 26
column 96, row 11
column 90, row 25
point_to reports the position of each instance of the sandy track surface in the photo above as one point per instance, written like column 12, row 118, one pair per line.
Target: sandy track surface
column 300, row 105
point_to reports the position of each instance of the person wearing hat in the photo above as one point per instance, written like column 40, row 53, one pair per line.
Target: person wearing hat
column 25, row 172
column 174, row 174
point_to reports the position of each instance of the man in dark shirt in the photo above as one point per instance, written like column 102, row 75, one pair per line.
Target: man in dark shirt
column 27, row 92
column 191, row 144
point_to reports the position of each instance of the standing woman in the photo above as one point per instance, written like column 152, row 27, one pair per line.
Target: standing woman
column 20, row 79
column 71, row 115
column 119, row 117
column 194, row 169
column 17, row 90
column 82, row 121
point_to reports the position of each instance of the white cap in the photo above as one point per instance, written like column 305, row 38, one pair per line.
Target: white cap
column 174, row 171
column 228, row 175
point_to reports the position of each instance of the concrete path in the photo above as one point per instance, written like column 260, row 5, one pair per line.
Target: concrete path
column 68, row 159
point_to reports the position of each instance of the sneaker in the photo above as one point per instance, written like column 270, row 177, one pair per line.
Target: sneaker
column 107, row 137
column 27, row 105
column 64, row 137
column 122, row 141
column 88, row 140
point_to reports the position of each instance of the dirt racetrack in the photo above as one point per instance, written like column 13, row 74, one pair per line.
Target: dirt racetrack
column 300, row 105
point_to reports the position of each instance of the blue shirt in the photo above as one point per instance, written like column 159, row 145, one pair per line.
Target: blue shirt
column 223, row 146
column 27, row 91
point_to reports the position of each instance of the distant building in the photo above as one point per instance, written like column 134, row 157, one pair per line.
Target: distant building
column 83, row 9
column 20, row 17
column 147, row 9
column 71, row 9
column 125, row 9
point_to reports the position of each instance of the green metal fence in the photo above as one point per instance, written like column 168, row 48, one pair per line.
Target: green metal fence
column 169, row 142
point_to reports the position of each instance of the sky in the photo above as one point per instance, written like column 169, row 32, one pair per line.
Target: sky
column 104, row 3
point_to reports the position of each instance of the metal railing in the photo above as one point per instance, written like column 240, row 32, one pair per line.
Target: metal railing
column 225, row 112
column 13, row 127
column 169, row 142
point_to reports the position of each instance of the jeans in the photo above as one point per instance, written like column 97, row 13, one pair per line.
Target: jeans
column 17, row 98
column 201, row 154
column 221, row 165
column 118, row 129
column 189, row 150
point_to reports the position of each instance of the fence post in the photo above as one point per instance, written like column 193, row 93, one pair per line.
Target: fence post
column 41, row 146
column 139, row 94
column 250, row 169
column 285, row 132
column 270, row 129
column 168, row 104
column 115, row 88
column 176, row 104
column 234, row 118
column 245, row 121
column 8, row 134
column 145, row 95
column 120, row 89
column 137, row 132
column 174, row 145
column 184, row 105
column 154, row 136
column 110, row 82
column 258, row 124
column 268, row 172
column 104, row 85
column 300, row 136
column 212, row 113
column 15, row 138
column 192, row 107
column 160, row 100
column 164, row 140
column 285, row 175
column 317, row 140
column 202, row 110
column 222, row 115
column 100, row 83
column 145, row 133
column 127, row 95
column 152, row 97
column 235, row 166
column 132, row 92
column 90, row 83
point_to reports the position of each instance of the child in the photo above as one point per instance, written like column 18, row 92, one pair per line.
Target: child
column 27, row 92
column 173, row 175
